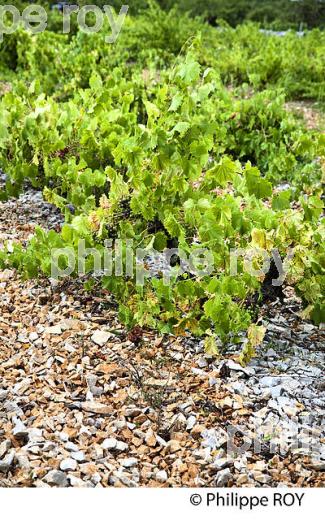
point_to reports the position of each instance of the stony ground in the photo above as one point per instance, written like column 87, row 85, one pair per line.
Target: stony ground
column 310, row 112
column 84, row 403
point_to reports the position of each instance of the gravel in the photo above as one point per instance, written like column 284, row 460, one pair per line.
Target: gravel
column 82, row 406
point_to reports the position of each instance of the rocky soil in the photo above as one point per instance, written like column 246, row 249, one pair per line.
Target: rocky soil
column 84, row 403
column 309, row 111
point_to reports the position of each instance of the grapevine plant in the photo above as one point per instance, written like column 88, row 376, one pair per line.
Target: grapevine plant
column 168, row 158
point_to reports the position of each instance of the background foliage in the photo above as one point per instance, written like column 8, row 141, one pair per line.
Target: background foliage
column 280, row 14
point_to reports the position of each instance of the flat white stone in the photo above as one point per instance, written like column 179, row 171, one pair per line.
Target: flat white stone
column 100, row 337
